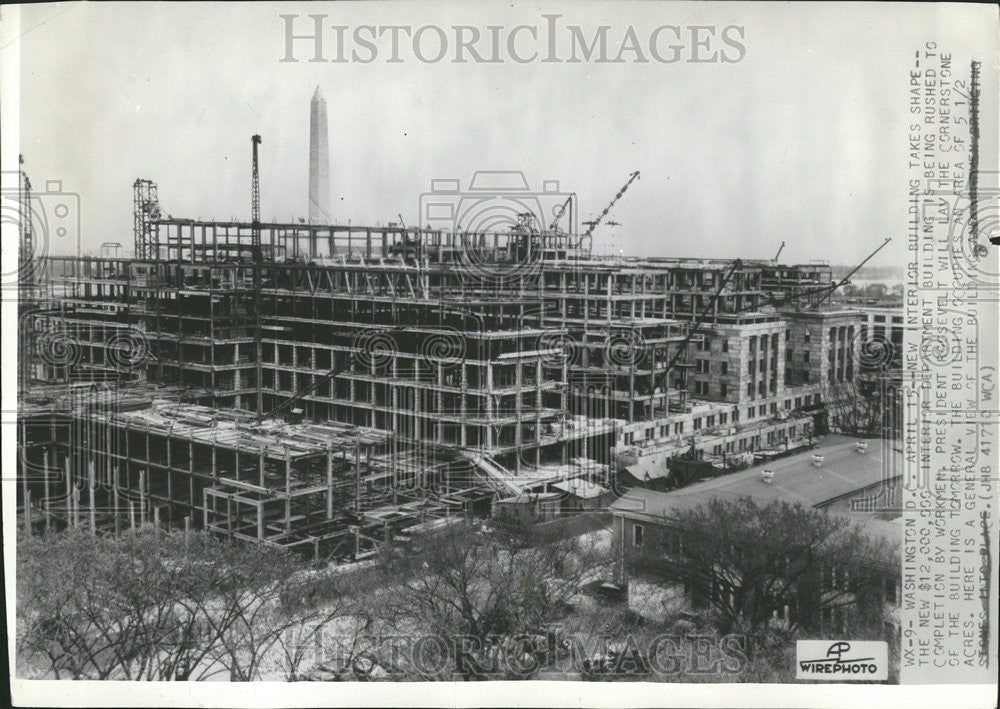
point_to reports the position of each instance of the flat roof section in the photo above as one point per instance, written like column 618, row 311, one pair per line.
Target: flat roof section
column 796, row 479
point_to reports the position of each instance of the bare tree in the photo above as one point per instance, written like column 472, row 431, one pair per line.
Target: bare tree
column 753, row 562
column 82, row 611
column 153, row 605
column 477, row 586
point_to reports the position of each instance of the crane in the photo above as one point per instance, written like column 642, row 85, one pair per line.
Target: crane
column 338, row 370
column 846, row 279
column 823, row 291
column 777, row 302
column 27, row 246
column 408, row 243
column 559, row 212
column 255, row 192
column 780, row 249
column 594, row 222
column 703, row 315
column 306, row 391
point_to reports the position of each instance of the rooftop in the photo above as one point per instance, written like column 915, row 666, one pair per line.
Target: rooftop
column 578, row 487
column 647, row 469
column 161, row 409
column 796, row 479
column 234, row 428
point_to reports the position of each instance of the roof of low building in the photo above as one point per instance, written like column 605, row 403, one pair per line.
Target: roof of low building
column 578, row 487
column 647, row 468
column 844, row 472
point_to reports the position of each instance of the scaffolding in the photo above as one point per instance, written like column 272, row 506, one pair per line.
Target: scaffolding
column 417, row 372
column 145, row 211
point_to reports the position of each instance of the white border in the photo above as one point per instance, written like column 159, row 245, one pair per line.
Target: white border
column 271, row 694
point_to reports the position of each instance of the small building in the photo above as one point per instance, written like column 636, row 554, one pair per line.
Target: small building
column 578, row 494
column 647, row 474
column 849, row 483
column 529, row 507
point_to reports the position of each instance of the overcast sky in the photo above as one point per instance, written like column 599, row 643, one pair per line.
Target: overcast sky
column 803, row 140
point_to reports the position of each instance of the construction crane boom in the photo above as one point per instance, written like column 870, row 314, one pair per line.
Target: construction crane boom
column 780, row 249
column 403, row 326
column 704, row 314
column 823, row 291
column 330, row 374
column 317, row 383
column 846, row 279
column 772, row 300
column 593, row 223
column 560, row 212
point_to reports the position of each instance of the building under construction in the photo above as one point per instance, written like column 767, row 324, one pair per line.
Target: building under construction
column 331, row 388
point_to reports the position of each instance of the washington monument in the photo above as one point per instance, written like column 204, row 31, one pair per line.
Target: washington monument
column 319, row 162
